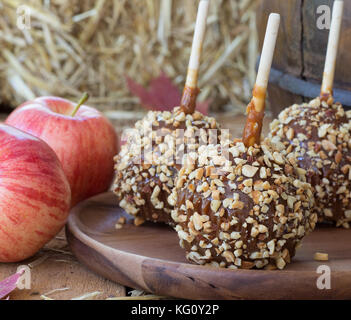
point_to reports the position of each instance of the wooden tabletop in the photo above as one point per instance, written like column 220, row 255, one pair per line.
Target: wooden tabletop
column 55, row 267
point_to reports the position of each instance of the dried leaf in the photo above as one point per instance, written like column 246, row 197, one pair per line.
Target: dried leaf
column 162, row 94
column 9, row 284
column 203, row 106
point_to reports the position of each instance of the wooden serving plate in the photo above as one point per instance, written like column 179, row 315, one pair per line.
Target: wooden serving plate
column 148, row 257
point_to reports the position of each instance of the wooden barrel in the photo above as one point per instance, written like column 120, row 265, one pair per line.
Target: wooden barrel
column 300, row 53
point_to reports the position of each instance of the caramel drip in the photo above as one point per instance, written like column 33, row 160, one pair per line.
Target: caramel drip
column 188, row 102
column 254, row 120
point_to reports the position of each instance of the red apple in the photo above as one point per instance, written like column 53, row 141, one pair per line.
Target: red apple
column 85, row 143
column 34, row 194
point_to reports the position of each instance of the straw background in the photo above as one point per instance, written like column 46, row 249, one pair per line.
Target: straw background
column 74, row 46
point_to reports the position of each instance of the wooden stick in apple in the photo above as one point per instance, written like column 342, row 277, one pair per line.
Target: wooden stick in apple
column 332, row 51
column 145, row 173
column 255, row 109
column 234, row 170
column 190, row 92
column 316, row 133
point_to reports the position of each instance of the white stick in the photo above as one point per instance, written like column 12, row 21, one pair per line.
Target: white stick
column 332, row 50
column 264, row 68
column 196, row 50
column 255, row 110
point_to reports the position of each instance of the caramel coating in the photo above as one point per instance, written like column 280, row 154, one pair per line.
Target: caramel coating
column 148, row 163
column 319, row 136
column 246, row 208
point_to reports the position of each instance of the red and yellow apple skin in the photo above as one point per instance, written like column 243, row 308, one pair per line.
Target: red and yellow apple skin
column 34, row 194
column 85, row 143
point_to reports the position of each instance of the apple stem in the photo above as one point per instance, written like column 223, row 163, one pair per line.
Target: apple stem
column 83, row 99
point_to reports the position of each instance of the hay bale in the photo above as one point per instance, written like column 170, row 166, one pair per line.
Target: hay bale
column 74, row 46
